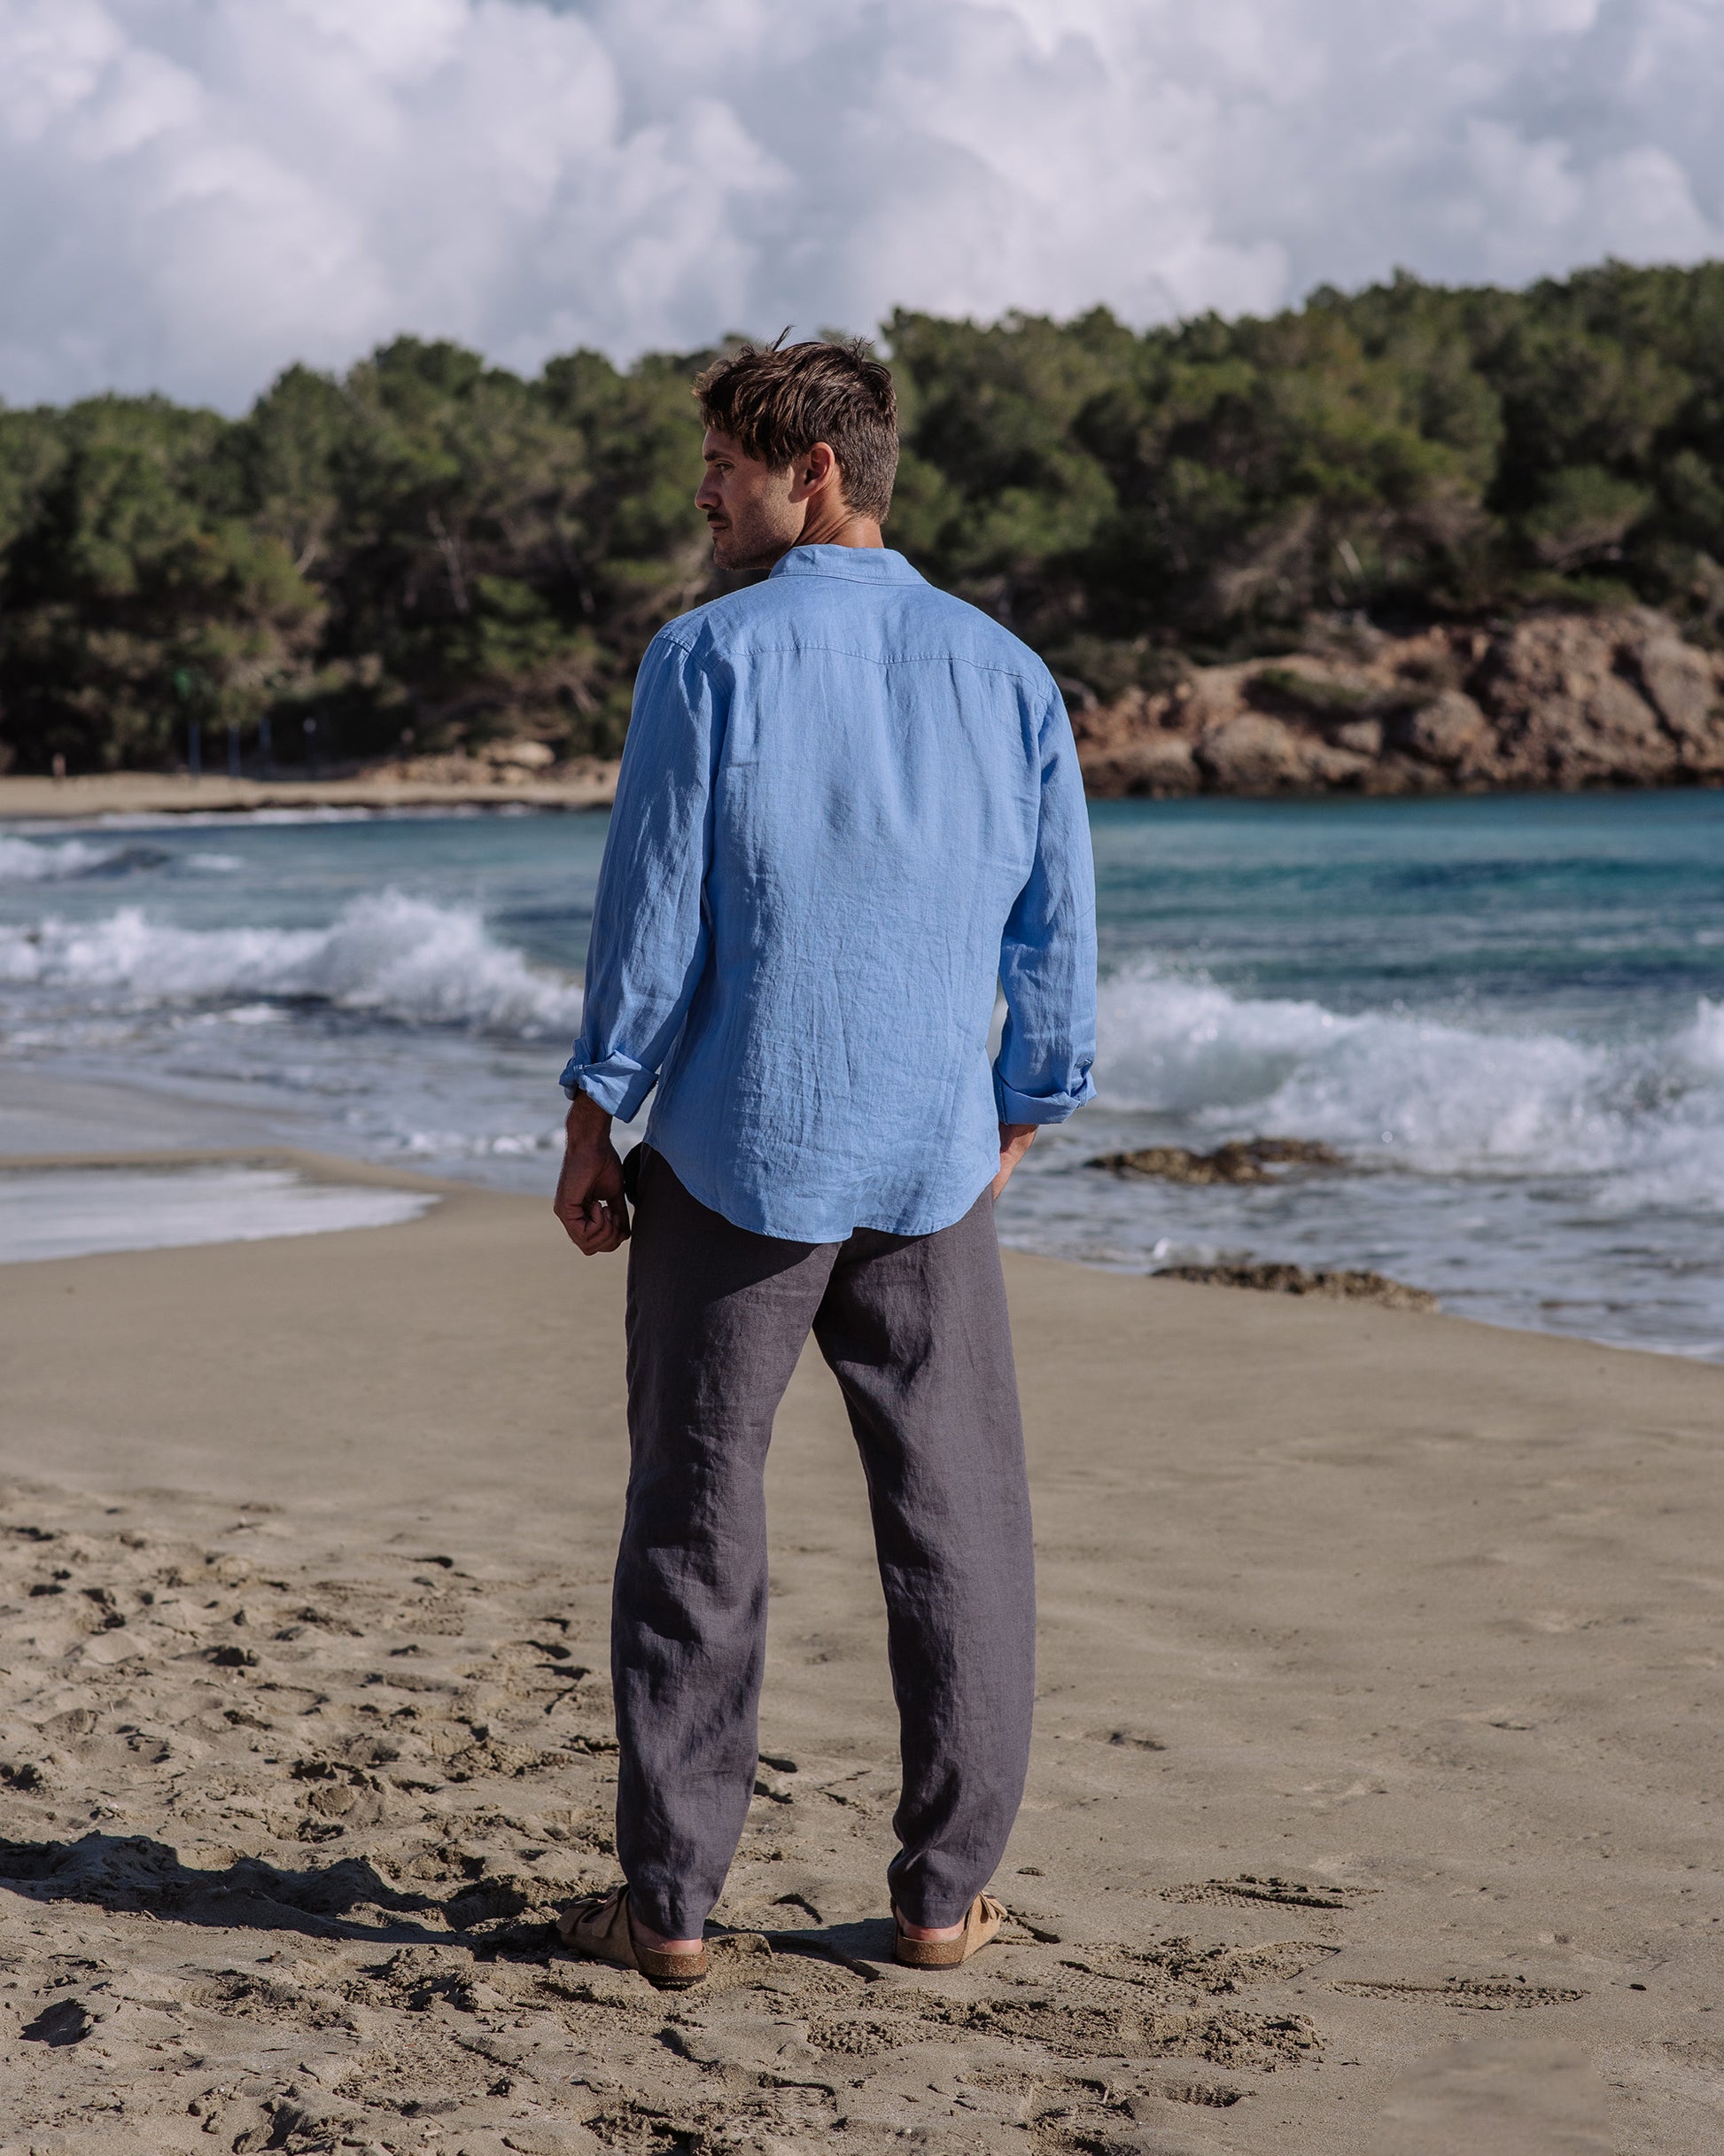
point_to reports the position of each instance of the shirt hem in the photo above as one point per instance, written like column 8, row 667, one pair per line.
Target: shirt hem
column 755, row 1223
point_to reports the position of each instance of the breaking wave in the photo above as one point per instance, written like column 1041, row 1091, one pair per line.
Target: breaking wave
column 1638, row 1120
column 1646, row 1115
column 402, row 958
column 68, row 861
column 28, row 861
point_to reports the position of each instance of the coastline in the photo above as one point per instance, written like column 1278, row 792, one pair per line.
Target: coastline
column 1367, row 1808
column 1556, row 703
column 1107, row 777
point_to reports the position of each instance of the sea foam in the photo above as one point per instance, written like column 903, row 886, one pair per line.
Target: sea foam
column 1443, row 1099
column 403, row 958
column 70, row 1212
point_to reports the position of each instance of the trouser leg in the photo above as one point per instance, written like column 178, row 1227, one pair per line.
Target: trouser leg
column 916, row 1331
column 717, row 1318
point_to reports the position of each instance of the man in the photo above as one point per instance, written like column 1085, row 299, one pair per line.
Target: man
column 849, row 809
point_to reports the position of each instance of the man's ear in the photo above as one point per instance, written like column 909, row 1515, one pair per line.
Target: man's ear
column 815, row 468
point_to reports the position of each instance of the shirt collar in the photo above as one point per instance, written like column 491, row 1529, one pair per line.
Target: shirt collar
column 855, row 564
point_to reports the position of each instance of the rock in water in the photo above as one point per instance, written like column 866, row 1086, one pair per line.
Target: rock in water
column 1294, row 1152
column 1295, row 1280
column 1241, row 1160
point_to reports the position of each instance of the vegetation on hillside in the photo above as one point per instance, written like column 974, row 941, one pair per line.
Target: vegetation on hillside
column 435, row 551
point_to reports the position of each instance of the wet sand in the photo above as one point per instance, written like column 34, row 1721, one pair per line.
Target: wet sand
column 1374, row 1805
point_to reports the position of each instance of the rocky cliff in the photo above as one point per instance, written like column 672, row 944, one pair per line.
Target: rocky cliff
column 1555, row 701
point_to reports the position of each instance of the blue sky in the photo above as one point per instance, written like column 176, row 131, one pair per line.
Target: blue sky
column 193, row 192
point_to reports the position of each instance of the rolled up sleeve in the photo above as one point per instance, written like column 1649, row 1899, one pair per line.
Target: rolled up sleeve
column 649, row 933
column 1047, row 963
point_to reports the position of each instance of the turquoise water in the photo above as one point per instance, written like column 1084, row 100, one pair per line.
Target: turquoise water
column 1507, row 1013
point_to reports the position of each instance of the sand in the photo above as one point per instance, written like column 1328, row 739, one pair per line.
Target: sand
column 1374, row 1805
column 590, row 783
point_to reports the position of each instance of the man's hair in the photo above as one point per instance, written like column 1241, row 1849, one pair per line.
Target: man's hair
column 778, row 401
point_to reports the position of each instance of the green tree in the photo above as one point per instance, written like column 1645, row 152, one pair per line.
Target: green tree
column 133, row 601
column 433, row 545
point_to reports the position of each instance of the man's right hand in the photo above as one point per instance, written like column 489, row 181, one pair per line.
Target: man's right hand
column 589, row 1200
column 1015, row 1139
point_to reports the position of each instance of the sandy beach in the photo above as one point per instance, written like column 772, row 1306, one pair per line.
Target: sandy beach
column 590, row 783
column 1374, row 1800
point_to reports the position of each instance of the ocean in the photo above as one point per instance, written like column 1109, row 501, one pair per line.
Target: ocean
column 1506, row 1014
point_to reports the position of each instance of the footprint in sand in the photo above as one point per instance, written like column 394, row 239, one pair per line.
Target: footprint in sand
column 1474, row 1994
column 1288, row 1893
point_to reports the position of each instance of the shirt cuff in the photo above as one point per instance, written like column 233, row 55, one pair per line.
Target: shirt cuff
column 1015, row 1107
column 618, row 1084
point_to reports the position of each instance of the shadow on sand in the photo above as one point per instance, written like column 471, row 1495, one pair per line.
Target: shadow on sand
column 346, row 1900
column 134, row 1873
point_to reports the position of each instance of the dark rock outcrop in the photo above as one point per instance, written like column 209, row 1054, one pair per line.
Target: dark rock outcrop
column 1238, row 1161
column 1295, row 1280
column 1555, row 701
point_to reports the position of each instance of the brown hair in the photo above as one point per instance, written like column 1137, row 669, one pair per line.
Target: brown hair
column 778, row 401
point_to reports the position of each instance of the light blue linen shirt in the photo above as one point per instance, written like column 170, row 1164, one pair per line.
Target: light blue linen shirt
column 850, row 807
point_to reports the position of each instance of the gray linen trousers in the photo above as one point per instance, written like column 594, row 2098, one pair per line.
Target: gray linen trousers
column 915, row 1328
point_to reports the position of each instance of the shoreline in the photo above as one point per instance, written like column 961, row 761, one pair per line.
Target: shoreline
column 315, row 1166
column 173, row 1150
column 1373, row 1742
column 138, row 793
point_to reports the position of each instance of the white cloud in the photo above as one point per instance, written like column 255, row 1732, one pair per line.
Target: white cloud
column 193, row 192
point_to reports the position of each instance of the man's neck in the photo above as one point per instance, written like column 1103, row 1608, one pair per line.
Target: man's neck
column 840, row 527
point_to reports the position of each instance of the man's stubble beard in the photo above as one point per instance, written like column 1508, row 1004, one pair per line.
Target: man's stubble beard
column 745, row 547
column 727, row 554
